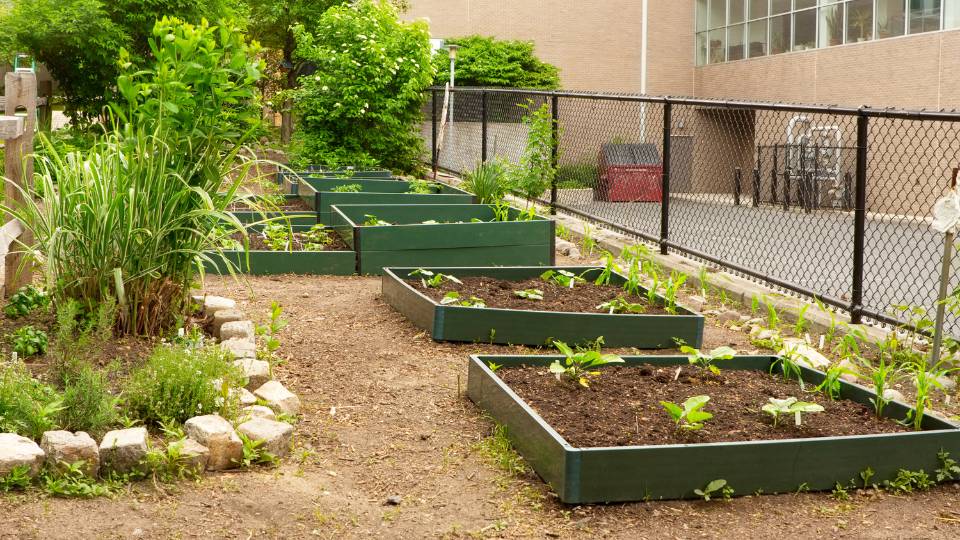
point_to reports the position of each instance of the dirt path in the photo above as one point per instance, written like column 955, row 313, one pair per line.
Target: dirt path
column 384, row 416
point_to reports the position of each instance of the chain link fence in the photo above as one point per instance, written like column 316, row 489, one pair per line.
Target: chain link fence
column 818, row 201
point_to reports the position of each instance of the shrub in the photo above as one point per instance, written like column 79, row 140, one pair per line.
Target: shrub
column 28, row 341
column 177, row 383
column 24, row 301
column 535, row 173
column 577, row 175
column 362, row 107
column 487, row 61
column 488, row 181
column 27, row 406
column 88, row 404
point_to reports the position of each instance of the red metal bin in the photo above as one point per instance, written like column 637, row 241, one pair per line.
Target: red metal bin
column 629, row 173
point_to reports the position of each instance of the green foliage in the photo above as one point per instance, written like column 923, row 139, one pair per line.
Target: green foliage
column 831, row 384
column 255, row 454
column 348, row 188
column 926, row 379
column 529, row 294
column 671, row 287
column 176, row 384
column 453, row 298
column 577, row 176
column 362, row 107
column 536, row 171
column 170, row 464
column 17, row 479
column 69, row 480
column 564, row 278
column 270, row 332
column 802, row 324
column 689, row 416
column 27, row 406
column 498, row 450
column 949, row 469
column 316, row 238
column 371, row 220
column 580, row 366
column 620, row 305
column 487, row 61
column 433, row 280
column 610, row 267
column 25, row 300
column 883, row 375
column 423, row 187
column 705, row 361
column 488, row 181
column 908, row 481
column 712, row 488
column 88, row 404
column 278, row 236
column 780, row 407
column 28, row 341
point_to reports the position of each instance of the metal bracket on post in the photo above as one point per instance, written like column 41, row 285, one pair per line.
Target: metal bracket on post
column 483, row 126
column 17, row 132
column 944, row 285
column 433, row 146
column 859, row 220
column 665, row 176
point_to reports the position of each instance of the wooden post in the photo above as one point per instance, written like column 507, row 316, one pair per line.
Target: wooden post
column 21, row 93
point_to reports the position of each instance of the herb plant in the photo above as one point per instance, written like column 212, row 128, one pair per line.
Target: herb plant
column 564, row 278
column 433, row 280
column 25, row 300
column 422, row 187
column 780, row 407
column 689, row 416
column 270, row 332
column 371, row 220
column 529, row 294
column 278, row 237
column 348, row 188
column 453, row 298
column 705, row 361
column 620, row 305
column 28, row 341
column 316, row 238
column 580, row 366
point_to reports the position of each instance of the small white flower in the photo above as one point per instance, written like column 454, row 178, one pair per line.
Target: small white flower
column 317, row 78
column 180, row 332
column 325, row 88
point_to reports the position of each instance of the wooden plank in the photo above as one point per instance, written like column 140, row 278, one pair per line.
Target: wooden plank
column 11, row 127
column 456, row 235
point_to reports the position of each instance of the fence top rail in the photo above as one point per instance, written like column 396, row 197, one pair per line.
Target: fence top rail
column 867, row 111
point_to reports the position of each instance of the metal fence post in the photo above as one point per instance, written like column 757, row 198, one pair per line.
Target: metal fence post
column 665, row 176
column 554, row 149
column 433, row 140
column 483, row 126
column 859, row 220
column 736, row 186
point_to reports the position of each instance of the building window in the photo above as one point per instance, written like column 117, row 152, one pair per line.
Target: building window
column 951, row 14
column 758, row 8
column 758, row 38
column 859, row 21
column 702, row 16
column 779, row 34
column 737, row 11
column 717, row 50
column 891, row 18
column 735, row 42
column 831, row 26
column 701, row 48
column 718, row 13
column 779, row 6
column 924, row 16
column 804, row 30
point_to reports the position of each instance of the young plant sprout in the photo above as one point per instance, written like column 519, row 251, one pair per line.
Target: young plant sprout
column 563, row 278
column 529, row 294
column 316, row 238
column 634, row 278
column 610, row 267
column 278, row 236
column 619, row 305
column 831, row 384
column 348, row 188
column 422, row 187
column 432, row 280
column 802, row 324
column 579, row 367
column 690, row 416
column 371, row 220
column 925, row 380
column 453, row 298
column 712, row 488
column 671, row 288
column 883, row 375
column 779, row 407
column 705, row 361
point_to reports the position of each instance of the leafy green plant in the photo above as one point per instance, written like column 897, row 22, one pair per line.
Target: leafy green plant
column 171, row 464
column 488, row 181
column 610, row 267
column 270, row 332
column 787, row 406
column 529, row 294
column 801, row 325
column 255, row 454
column 177, row 384
column 431, row 279
column 453, row 298
column 948, row 469
column 831, row 384
column 28, row 341
column 620, row 305
column 587, row 242
column 689, row 416
column 831, row 333
column 370, row 220
column 88, row 405
column 348, row 188
column 670, row 289
column 69, row 480
column 713, row 488
column 773, row 318
column 536, row 171
column 491, row 62
column 17, row 479
column 422, row 187
column 705, row 361
column 703, row 282
column 25, row 300
column 908, row 481
column 564, row 278
column 925, row 380
column 883, row 375
column 580, row 366
column 316, row 238
column 27, row 406
column 278, row 237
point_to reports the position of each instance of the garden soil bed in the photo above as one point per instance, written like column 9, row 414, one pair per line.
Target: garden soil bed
column 622, row 407
column 498, row 293
column 258, row 242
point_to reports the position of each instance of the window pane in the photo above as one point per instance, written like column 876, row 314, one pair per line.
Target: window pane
column 924, row 16
column 831, row 26
column 779, row 34
column 951, row 14
column 737, row 8
column 758, row 8
column 758, row 38
column 701, row 48
column 779, row 6
column 859, row 21
column 804, row 30
column 717, row 49
column 735, row 42
column 803, row 4
column 718, row 13
column 701, row 15
column 891, row 18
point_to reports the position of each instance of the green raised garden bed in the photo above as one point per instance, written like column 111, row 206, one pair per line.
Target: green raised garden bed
column 529, row 327
column 318, row 194
column 410, row 242
column 635, row 473
column 320, row 172
column 264, row 262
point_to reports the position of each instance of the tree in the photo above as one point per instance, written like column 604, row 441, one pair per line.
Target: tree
column 362, row 105
column 486, row 61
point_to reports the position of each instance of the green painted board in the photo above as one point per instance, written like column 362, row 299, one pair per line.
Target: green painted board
column 409, row 242
column 333, row 263
column 636, row 473
column 529, row 327
column 375, row 192
column 299, row 217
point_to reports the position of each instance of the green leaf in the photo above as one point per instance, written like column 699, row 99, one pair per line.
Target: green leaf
column 673, row 409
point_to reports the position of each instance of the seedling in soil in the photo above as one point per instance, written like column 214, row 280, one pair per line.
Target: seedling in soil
column 831, row 384
column 832, row 328
column 883, row 375
column 433, row 280
column 802, row 324
column 704, row 281
column 705, row 361
column 422, row 187
column 348, row 188
column 529, row 294
column 789, row 361
column 670, row 290
column 948, row 470
column 849, row 345
column 28, row 341
column 277, row 236
column 925, row 381
column 563, row 233
column 619, row 305
column 580, row 366
column 371, row 220
column 718, row 486
column 773, row 318
column 563, row 278
column 690, row 416
column 781, row 407
column 271, row 331
column 25, row 300
column 453, row 298
column 588, row 243
column 316, row 238
column 610, row 267
column 634, row 277
column 17, row 479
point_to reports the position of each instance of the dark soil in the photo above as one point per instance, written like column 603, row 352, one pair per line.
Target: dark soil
column 498, row 293
column 292, row 205
column 622, row 406
column 259, row 243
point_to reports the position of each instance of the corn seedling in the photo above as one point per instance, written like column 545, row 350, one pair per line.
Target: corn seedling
column 832, row 384
column 633, row 284
column 348, row 188
column 689, row 416
column 849, row 344
column 883, row 375
column 580, row 366
column 925, row 381
column 670, row 290
column 754, row 305
column 773, row 318
column 452, row 298
column 718, row 486
column 832, row 328
column 529, row 294
column 610, row 267
column 564, row 278
column 501, row 211
column 802, row 324
column 705, row 361
column 787, row 406
column 703, row 282
column 588, row 243
column 433, row 280
column 370, row 220
column 788, row 361
column 619, row 305
column 563, row 232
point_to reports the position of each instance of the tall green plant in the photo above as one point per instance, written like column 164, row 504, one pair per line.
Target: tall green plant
column 488, row 181
column 536, row 171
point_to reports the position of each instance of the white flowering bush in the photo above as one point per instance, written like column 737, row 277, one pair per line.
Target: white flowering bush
column 362, row 106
